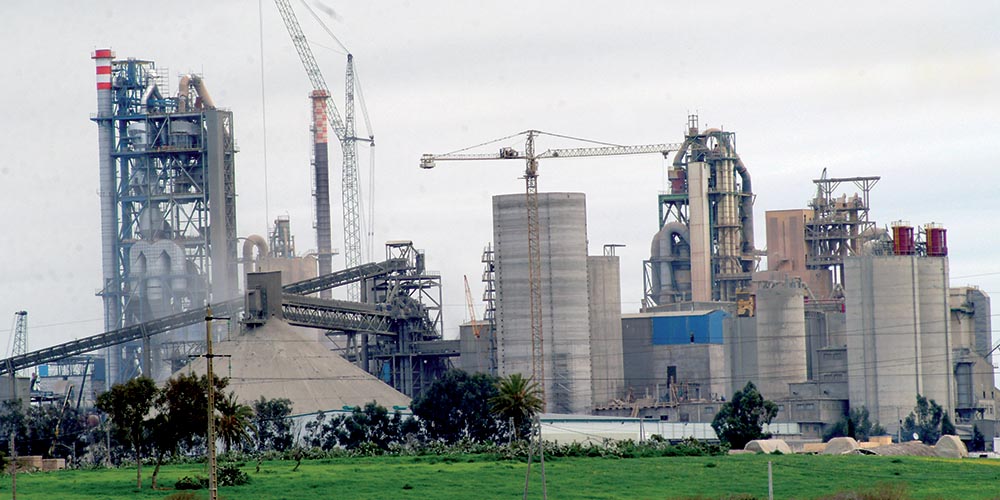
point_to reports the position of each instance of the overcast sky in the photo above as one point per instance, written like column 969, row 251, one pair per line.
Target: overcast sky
column 905, row 90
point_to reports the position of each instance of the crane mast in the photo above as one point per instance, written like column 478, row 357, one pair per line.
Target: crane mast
column 345, row 131
column 428, row 161
column 534, row 265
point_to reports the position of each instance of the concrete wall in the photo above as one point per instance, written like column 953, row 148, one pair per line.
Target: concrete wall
column 741, row 353
column 475, row 351
column 786, row 243
column 637, row 354
column 769, row 349
column 786, row 252
column 897, row 341
column 18, row 388
column 699, row 368
column 565, row 303
column 604, row 282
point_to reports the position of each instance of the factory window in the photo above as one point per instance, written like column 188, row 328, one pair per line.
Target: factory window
column 664, row 417
column 805, row 406
column 781, row 407
column 709, row 409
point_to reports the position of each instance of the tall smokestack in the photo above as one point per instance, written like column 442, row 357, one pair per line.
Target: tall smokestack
column 105, row 136
column 322, row 176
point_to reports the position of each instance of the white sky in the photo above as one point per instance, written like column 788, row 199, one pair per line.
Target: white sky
column 906, row 90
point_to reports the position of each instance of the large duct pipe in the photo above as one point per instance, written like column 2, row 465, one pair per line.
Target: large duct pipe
column 747, row 189
column 206, row 100
column 184, row 94
column 151, row 91
column 322, row 178
column 105, row 139
column 253, row 241
column 183, row 88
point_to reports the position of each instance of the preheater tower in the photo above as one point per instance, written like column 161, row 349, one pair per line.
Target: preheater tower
column 168, row 207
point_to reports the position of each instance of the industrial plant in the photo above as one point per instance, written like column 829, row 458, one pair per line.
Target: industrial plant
column 834, row 311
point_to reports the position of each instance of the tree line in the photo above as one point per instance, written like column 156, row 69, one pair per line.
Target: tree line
column 157, row 424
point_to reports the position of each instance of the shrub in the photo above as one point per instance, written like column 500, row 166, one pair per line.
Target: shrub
column 191, row 483
column 231, row 475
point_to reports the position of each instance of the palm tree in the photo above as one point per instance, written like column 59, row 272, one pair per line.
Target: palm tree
column 233, row 421
column 519, row 399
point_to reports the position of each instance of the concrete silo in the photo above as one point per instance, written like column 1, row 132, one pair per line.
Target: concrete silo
column 604, row 278
column 781, row 339
column 565, row 302
column 898, row 334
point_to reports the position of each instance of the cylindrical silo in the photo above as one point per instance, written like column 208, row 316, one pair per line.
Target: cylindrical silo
column 934, row 318
column 937, row 240
column 604, row 277
column 896, row 341
column 781, row 339
column 902, row 238
column 565, row 322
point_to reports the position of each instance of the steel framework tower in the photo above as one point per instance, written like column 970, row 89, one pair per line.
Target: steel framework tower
column 19, row 335
column 168, row 207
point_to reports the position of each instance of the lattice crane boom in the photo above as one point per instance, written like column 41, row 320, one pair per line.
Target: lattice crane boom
column 428, row 161
column 472, row 308
column 345, row 131
column 309, row 62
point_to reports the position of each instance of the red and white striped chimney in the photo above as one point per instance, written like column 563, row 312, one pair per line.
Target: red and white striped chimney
column 321, row 173
column 103, row 58
column 105, row 137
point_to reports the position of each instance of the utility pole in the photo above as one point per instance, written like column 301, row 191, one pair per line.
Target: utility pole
column 537, row 441
column 770, row 482
column 13, row 464
column 213, row 486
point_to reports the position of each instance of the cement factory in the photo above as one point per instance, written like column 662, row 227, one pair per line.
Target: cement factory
column 833, row 311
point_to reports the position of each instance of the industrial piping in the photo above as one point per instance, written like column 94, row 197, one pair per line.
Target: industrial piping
column 745, row 185
column 183, row 90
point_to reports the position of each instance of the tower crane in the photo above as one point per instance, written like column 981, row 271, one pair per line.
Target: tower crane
column 428, row 161
column 345, row 131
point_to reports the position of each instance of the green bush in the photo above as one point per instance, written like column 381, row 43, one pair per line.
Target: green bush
column 191, row 483
column 231, row 475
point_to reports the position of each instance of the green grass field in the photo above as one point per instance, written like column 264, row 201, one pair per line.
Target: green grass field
column 450, row 477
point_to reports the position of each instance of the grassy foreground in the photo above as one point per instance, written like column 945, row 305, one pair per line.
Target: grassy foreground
column 450, row 477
